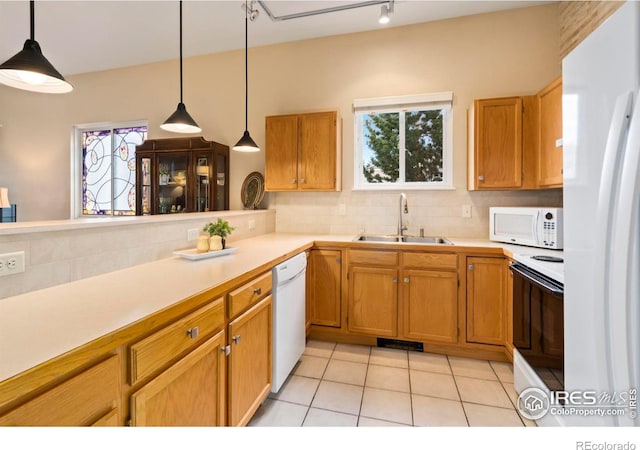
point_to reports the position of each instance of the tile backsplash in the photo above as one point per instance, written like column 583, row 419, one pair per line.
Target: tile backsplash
column 438, row 212
column 56, row 257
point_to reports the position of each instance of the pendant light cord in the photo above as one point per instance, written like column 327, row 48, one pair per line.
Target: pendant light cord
column 246, row 67
column 180, row 51
column 32, row 8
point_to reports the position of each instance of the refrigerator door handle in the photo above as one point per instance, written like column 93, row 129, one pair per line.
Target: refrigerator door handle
column 621, row 300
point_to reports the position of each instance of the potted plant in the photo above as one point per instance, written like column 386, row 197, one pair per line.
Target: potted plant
column 218, row 233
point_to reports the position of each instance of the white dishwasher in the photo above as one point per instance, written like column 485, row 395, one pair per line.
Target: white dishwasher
column 288, row 317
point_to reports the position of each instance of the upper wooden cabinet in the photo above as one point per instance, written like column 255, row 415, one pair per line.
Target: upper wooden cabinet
column 495, row 144
column 303, row 152
column 516, row 142
column 549, row 173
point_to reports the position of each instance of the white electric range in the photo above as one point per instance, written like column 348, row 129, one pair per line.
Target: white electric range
column 553, row 269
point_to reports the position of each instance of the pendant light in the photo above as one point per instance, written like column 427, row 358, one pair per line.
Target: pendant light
column 180, row 121
column 246, row 144
column 31, row 71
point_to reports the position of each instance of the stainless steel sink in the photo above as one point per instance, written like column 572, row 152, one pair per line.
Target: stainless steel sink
column 408, row 239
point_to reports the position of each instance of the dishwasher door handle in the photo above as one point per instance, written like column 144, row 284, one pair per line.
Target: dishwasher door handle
column 298, row 275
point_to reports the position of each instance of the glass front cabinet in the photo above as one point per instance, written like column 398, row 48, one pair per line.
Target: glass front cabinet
column 181, row 175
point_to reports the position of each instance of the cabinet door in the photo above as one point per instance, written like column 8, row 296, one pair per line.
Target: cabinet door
column 324, row 288
column 250, row 361
column 550, row 119
column 373, row 301
column 318, row 158
column 81, row 400
column 486, row 299
column 430, row 305
column 497, row 143
column 189, row 393
column 281, row 153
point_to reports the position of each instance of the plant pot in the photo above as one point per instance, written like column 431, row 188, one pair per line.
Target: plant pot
column 215, row 243
column 203, row 244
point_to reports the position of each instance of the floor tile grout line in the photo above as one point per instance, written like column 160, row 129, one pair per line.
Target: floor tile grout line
column 464, row 411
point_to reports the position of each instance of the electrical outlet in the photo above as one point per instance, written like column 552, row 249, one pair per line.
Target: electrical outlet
column 11, row 263
column 342, row 209
column 251, row 225
column 466, row 211
column 192, row 234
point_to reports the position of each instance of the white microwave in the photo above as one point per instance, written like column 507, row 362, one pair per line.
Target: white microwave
column 535, row 227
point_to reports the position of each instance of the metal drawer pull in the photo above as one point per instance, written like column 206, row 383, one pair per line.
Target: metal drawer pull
column 293, row 181
column 406, row 280
column 302, row 180
column 257, row 291
column 395, row 279
column 193, row 332
column 236, row 339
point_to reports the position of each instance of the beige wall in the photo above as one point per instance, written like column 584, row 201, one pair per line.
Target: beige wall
column 507, row 53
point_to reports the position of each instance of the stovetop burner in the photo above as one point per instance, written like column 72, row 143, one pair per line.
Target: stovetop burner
column 546, row 258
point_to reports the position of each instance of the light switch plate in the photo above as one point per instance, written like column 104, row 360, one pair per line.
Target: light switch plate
column 466, row 211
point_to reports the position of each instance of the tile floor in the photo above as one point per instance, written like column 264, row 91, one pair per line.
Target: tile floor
column 355, row 385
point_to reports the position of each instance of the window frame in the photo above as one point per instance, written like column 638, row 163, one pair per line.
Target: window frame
column 77, row 163
column 419, row 102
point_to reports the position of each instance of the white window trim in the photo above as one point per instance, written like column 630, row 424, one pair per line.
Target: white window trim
column 439, row 100
column 76, row 163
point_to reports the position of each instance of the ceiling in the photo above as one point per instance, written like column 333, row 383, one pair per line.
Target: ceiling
column 87, row 36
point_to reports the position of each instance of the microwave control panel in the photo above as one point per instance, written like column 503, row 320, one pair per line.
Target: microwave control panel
column 550, row 221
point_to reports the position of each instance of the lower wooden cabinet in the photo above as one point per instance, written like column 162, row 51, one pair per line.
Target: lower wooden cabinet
column 82, row 400
column 430, row 306
column 373, row 301
column 486, row 300
column 324, row 287
column 189, row 393
column 250, row 361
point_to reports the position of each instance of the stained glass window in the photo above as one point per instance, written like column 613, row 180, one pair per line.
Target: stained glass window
column 109, row 170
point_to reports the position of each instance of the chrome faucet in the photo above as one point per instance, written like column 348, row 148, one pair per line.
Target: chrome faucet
column 404, row 209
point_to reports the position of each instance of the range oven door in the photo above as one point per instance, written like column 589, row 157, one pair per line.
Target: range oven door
column 538, row 323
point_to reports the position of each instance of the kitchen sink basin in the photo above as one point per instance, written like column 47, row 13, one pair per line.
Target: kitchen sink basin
column 408, row 239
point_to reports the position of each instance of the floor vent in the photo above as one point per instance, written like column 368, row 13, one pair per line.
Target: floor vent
column 402, row 345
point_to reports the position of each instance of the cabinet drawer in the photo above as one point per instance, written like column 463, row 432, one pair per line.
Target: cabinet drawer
column 249, row 294
column 377, row 258
column 430, row 260
column 155, row 351
column 79, row 401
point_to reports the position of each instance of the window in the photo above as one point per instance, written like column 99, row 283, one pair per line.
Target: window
column 403, row 142
column 106, row 160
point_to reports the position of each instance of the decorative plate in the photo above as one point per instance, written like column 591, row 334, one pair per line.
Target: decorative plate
column 252, row 190
column 193, row 254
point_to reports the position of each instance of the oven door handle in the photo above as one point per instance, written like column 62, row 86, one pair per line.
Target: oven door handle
column 527, row 274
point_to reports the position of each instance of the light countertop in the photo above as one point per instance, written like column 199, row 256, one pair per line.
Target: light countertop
column 40, row 325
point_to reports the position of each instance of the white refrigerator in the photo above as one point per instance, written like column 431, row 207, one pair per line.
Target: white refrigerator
column 601, row 150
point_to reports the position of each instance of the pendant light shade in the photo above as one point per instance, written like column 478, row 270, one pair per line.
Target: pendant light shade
column 246, row 144
column 31, row 71
column 180, row 121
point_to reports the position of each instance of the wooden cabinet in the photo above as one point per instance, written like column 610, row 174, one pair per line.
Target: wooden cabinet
column 407, row 295
column 250, row 361
column 486, row 300
column 373, row 301
column 85, row 399
column 303, row 152
column 430, row 297
column 178, row 372
column 189, row 393
column 430, row 305
column 324, row 288
column 549, row 168
column 181, row 175
column 495, row 144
